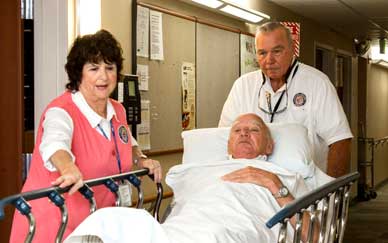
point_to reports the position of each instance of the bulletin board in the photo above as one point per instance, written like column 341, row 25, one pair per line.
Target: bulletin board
column 218, row 61
column 165, row 82
column 215, row 53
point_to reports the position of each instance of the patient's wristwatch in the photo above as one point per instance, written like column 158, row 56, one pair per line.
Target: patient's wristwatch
column 283, row 192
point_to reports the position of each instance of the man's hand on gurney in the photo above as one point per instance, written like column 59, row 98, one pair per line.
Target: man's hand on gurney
column 154, row 167
column 70, row 174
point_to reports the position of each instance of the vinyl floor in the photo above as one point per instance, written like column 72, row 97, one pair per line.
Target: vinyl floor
column 368, row 220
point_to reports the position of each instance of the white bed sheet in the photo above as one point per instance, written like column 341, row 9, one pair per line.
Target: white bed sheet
column 206, row 208
column 118, row 225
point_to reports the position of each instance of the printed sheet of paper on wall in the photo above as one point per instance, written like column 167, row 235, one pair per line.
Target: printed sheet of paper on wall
column 142, row 72
column 188, row 96
column 156, row 36
column 142, row 29
column 143, row 129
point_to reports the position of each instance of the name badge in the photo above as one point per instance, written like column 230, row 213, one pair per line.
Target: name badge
column 125, row 194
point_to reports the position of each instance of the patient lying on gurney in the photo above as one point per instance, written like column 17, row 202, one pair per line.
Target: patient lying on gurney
column 221, row 201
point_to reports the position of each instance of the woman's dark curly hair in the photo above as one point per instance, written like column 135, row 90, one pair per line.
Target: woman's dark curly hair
column 101, row 46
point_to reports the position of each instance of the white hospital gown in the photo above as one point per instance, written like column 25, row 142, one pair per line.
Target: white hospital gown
column 210, row 210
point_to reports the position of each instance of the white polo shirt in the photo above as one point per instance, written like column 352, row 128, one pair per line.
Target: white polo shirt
column 309, row 99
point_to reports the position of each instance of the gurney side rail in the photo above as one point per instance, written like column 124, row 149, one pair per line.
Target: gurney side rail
column 54, row 194
column 340, row 187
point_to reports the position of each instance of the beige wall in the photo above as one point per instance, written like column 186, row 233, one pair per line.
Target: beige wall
column 116, row 18
column 354, row 115
column 377, row 116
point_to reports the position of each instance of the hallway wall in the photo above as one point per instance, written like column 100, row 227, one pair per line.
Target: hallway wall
column 11, row 99
column 117, row 19
column 377, row 116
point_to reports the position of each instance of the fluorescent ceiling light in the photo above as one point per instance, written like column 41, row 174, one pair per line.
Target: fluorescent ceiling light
column 243, row 4
column 376, row 55
column 209, row 3
column 381, row 63
column 233, row 8
column 243, row 14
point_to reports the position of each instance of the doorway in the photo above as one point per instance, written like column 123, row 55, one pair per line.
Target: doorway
column 338, row 67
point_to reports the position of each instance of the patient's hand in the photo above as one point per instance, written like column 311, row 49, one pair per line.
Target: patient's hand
column 255, row 176
column 272, row 182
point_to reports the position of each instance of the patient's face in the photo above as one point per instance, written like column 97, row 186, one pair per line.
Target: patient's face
column 249, row 138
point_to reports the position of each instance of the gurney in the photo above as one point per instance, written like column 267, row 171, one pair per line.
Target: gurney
column 234, row 212
column 20, row 201
column 317, row 202
column 327, row 202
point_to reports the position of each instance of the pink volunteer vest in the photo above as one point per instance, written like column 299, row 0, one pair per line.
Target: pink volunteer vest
column 95, row 157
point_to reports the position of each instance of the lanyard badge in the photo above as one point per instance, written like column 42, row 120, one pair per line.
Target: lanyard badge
column 268, row 98
column 125, row 193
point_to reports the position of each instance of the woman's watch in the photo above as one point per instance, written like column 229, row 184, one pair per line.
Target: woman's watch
column 283, row 192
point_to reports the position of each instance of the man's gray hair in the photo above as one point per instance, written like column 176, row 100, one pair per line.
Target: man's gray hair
column 271, row 26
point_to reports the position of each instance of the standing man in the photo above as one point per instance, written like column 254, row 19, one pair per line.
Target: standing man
column 285, row 90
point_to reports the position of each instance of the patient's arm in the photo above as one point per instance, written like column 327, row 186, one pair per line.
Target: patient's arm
column 273, row 184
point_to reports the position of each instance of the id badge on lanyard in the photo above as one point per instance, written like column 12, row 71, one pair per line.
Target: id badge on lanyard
column 125, row 193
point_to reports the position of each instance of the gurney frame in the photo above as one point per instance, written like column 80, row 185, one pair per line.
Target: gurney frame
column 20, row 201
column 317, row 202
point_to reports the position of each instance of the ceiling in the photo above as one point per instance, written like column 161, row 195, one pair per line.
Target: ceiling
column 361, row 19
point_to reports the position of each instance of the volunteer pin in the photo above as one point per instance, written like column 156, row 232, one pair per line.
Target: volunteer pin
column 299, row 99
column 123, row 134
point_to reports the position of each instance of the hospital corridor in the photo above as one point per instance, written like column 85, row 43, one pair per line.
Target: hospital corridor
column 368, row 220
column 185, row 121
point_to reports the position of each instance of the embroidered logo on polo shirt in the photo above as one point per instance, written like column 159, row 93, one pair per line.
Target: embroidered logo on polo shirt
column 123, row 134
column 299, row 99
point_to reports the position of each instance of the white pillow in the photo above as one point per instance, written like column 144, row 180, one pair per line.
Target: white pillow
column 292, row 149
column 205, row 144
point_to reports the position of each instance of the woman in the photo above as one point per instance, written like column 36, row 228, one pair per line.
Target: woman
column 82, row 134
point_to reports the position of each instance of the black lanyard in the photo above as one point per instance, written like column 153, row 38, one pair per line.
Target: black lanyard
column 281, row 96
column 114, row 139
column 277, row 105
